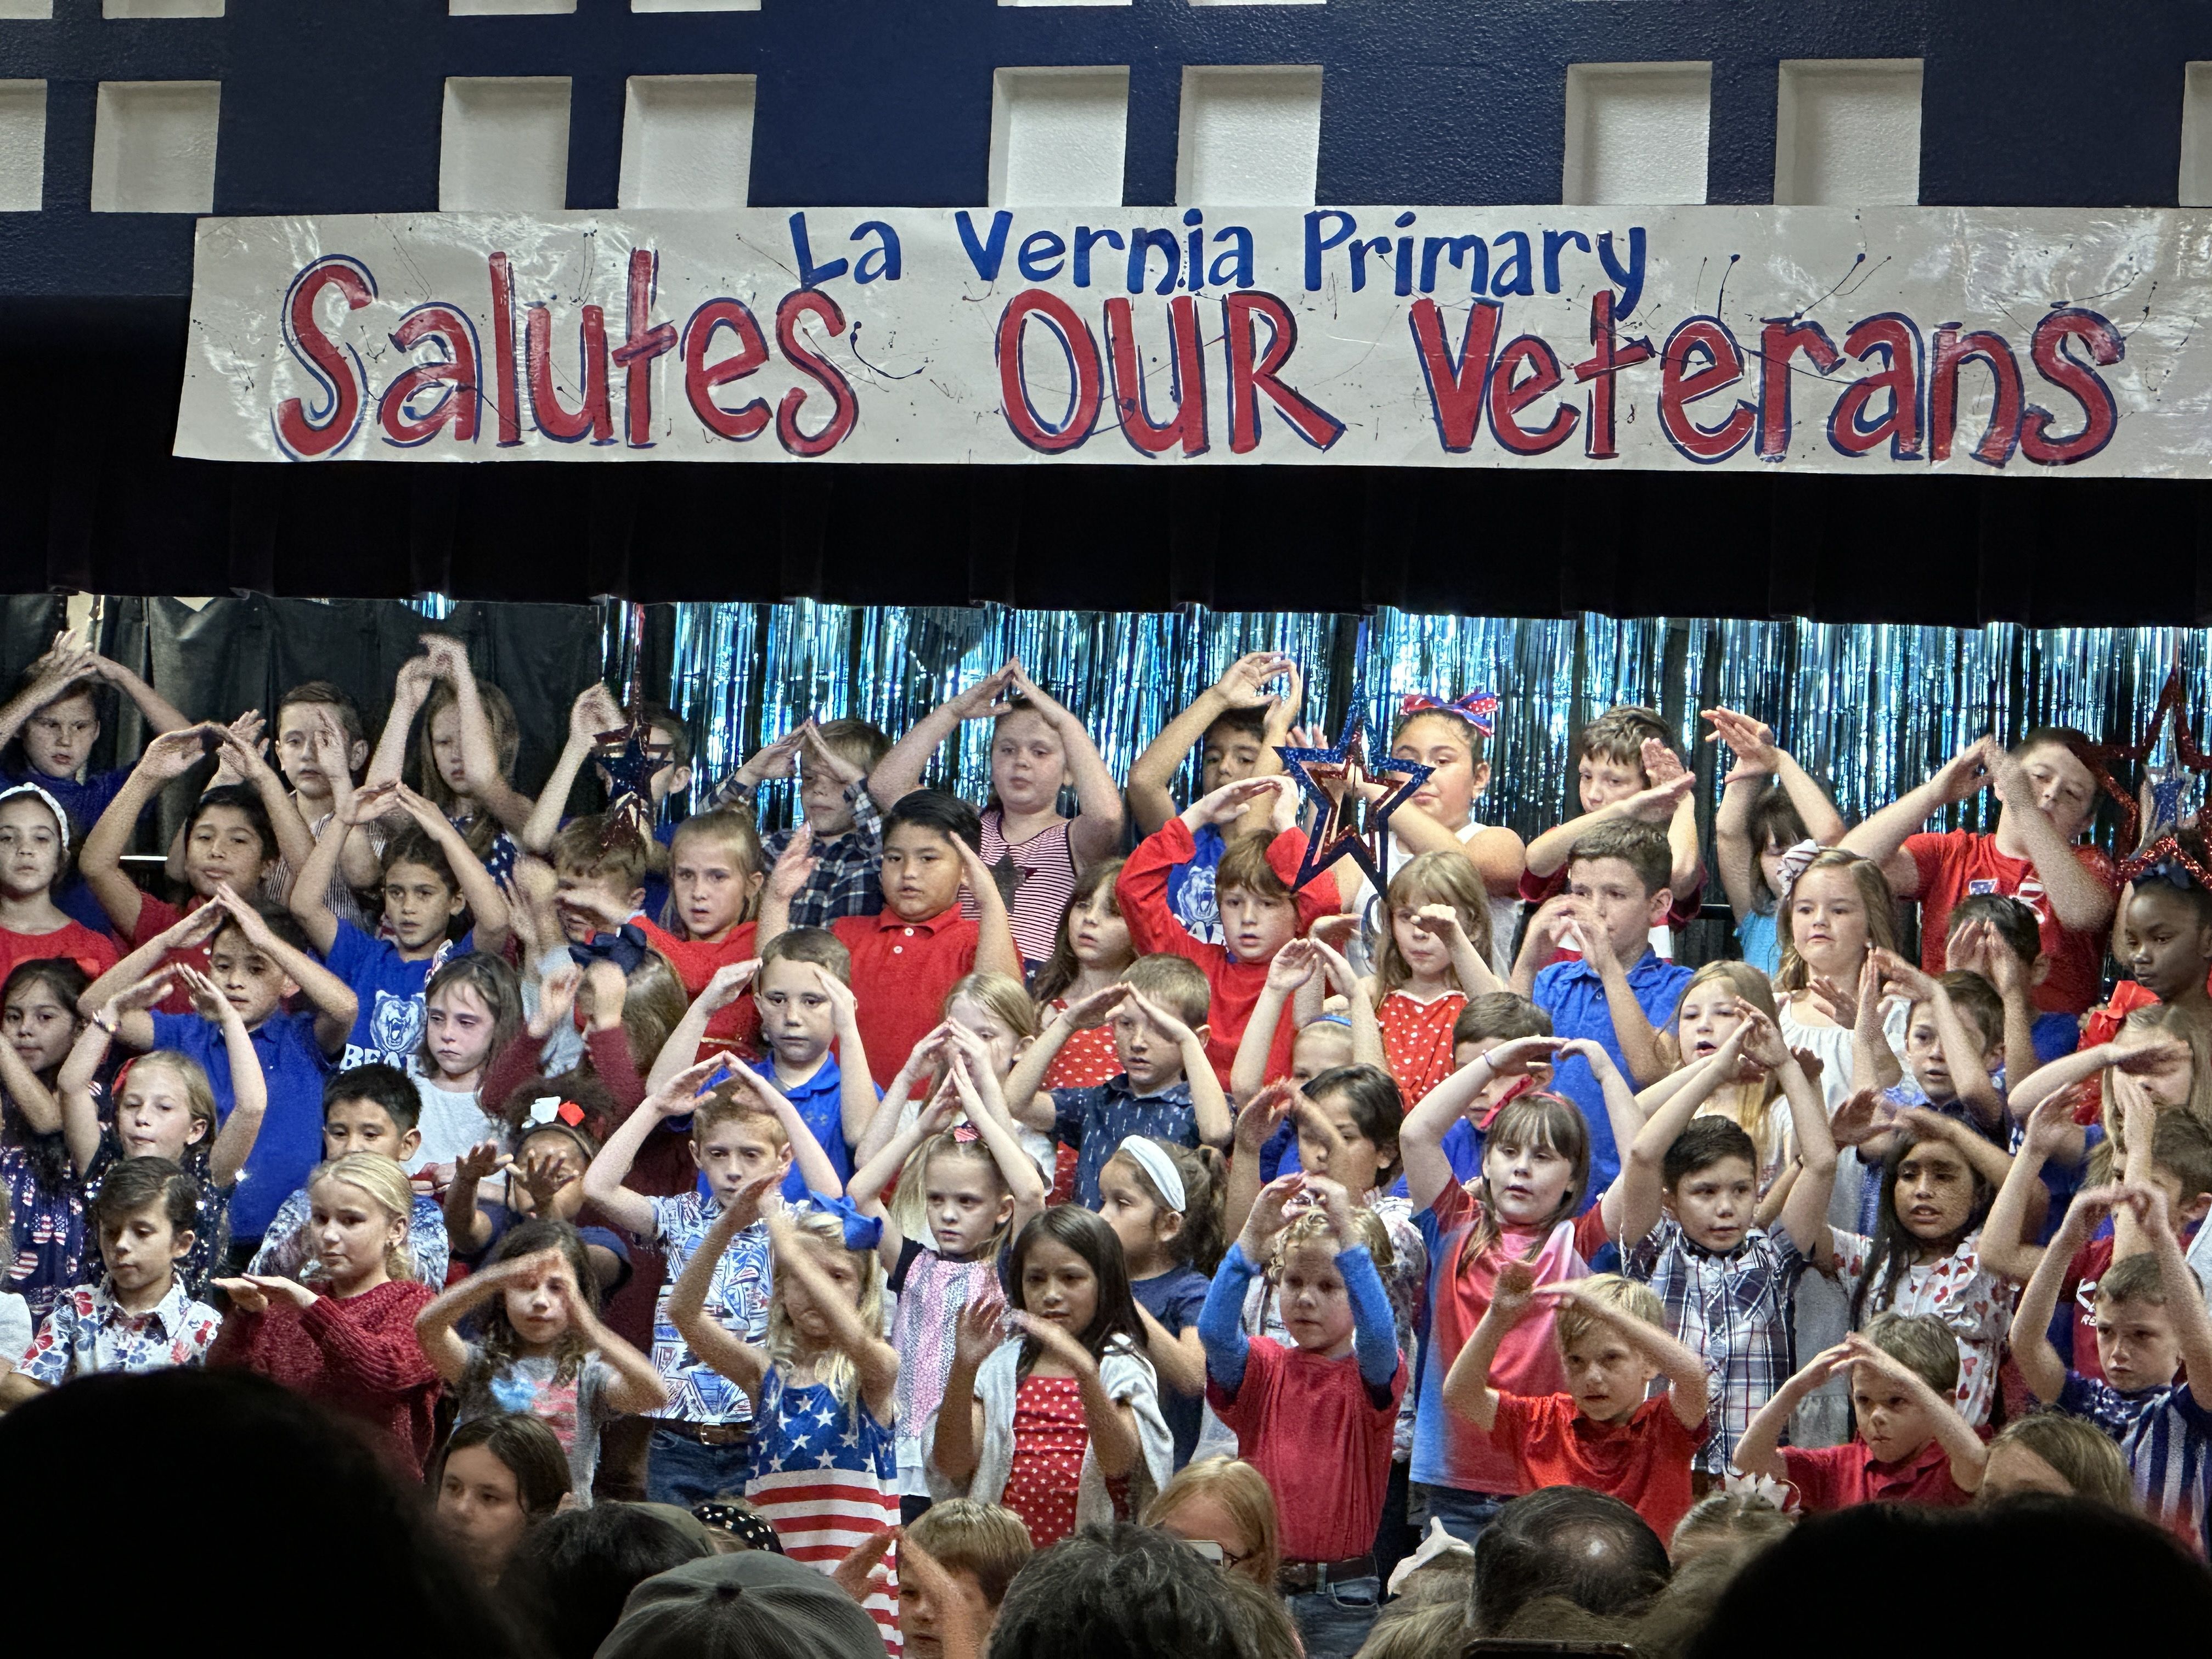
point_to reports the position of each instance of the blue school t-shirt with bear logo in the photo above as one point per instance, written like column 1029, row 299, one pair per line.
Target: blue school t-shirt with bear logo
column 389, row 1027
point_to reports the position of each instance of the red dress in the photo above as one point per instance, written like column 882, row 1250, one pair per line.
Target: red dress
column 1417, row 1040
column 1051, row 1435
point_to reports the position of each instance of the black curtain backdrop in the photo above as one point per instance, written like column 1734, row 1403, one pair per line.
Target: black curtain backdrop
column 95, row 503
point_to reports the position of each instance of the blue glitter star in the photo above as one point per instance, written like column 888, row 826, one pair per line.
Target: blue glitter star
column 629, row 772
column 1350, row 826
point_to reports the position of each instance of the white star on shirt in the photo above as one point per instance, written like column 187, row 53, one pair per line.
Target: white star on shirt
column 852, row 1438
column 825, row 1415
column 776, row 1466
column 827, row 1461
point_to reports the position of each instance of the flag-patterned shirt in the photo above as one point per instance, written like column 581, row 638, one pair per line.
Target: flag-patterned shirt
column 824, row 1475
column 89, row 1332
column 737, row 1300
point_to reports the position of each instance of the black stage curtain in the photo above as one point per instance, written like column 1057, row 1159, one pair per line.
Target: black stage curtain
column 95, row 503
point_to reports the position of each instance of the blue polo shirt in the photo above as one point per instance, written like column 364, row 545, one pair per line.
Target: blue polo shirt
column 820, row 1104
column 290, row 1143
column 1574, row 996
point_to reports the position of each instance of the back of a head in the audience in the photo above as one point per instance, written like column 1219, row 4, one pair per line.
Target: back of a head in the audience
column 751, row 1605
column 80, row 1460
column 1788, row 1599
column 573, row 1571
column 1125, row 1592
column 1582, row 1547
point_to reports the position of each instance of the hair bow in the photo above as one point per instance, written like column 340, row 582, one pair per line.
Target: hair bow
column 1758, row 1488
column 552, row 1109
column 1478, row 708
column 1796, row 862
column 862, row 1232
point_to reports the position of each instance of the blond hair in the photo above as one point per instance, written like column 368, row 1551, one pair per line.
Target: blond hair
column 1573, row 1321
column 963, row 1534
column 2085, row 1457
column 1758, row 1108
column 1431, row 878
column 1242, row 1491
column 1002, row 994
column 1874, row 895
column 383, row 1180
column 2160, row 1019
column 837, row 1369
column 199, row 1096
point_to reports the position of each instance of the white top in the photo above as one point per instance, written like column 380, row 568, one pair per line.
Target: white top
column 1504, row 913
column 451, row 1121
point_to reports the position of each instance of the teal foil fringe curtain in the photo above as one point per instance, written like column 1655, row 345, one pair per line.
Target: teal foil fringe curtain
column 1870, row 708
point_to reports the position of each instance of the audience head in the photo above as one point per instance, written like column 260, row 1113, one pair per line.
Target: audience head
column 500, row 1476
column 1724, row 1521
column 981, row 1546
column 1121, row 1592
column 1584, row 1546
column 570, row 1576
column 1225, row 1511
column 2058, row 1455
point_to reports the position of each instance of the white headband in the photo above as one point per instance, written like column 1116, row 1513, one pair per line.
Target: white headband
column 52, row 805
column 1158, row 1166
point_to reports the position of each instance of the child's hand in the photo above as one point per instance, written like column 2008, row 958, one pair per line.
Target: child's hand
column 1559, row 919
column 2152, row 1056
column 779, row 759
column 593, row 713
column 1283, row 810
column 1515, row 1293
column 277, row 1288
column 367, row 804
column 1268, row 1219
column 448, row 659
column 1661, row 764
column 609, row 912
column 1862, row 1117
column 760, row 1199
column 978, row 1332
column 481, row 1160
column 1335, row 1202
column 1442, row 921
column 1333, row 932
column 844, row 1006
column 1597, row 946
column 2050, row 1129
column 1761, row 1044
column 544, row 1176
column 209, row 1003
column 794, row 867
column 1341, row 975
column 827, row 758
column 1752, row 741
column 1901, row 976
column 860, row 1573
column 985, row 699
column 1243, row 684
column 195, row 927
column 241, row 748
column 172, row 754
column 681, row 1098
column 146, row 992
column 728, row 983
column 1056, row 1340
column 2153, row 1214
column 1656, row 804
column 1261, row 1116
column 1087, row 1013
column 1931, row 1125
column 1293, row 966
column 225, row 902
column 246, row 1297
column 937, row 1112
column 2083, row 1215
column 432, row 821
column 1966, row 774
column 1175, row 1030
column 1227, row 802
column 1518, row 1057
column 974, row 874
column 411, row 686
column 1592, row 1051
column 557, row 999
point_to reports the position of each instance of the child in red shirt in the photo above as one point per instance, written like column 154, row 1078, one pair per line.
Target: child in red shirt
column 1316, row 1419
column 907, row 959
column 1913, row 1446
column 715, row 870
column 2048, row 794
column 1262, row 908
column 1603, row 1433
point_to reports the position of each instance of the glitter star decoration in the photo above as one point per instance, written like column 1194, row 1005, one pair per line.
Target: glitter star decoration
column 1351, row 825
column 2167, row 783
column 629, row 772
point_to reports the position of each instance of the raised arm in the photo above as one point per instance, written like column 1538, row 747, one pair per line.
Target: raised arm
column 975, row 1337
column 1622, row 1114
column 874, row 1359
column 594, row 711
column 336, row 1004
column 80, row 1112
column 856, row 1092
column 486, row 780
column 787, row 880
column 728, row 1352
column 100, row 861
column 1882, row 836
column 1208, row 1104
column 1805, row 1210
column 2029, row 1338
column 1242, row 685
column 2192, row 1323
column 442, row 1345
column 603, row 1180
column 730, row 981
column 1952, row 1432
column 1287, row 970
column 1221, row 1321
column 487, row 905
column 1656, row 804
column 249, row 1088
column 294, row 840
column 2080, row 899
column 1358, row 1008
column 996, row 949
column 161, row 715
column 1632, row 1028
column 882, row 1168
column 37, row 1102
column 808, row 1155
column 1757, row 1448
column 1753, row 743
column 468, row 1227
column 66, row 662
column 977, row 1089
column 112, row 990
column 1420, row 1137
column 899, row 772
column 2006, row 1250
column 1633, row 1205
column 1683, row 1366
column 1097, row 832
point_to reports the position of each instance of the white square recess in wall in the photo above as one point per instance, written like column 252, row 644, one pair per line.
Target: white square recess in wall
column 22, row 146
column 153, row 146
column 161, row 8
column 504, row 147
column 1636, row 133
column 686, row 141
column 1249, row 137
column 1058, row 134
column 1847, row 132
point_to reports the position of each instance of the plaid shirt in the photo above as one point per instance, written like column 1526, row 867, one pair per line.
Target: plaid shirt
column 1737, row 1310
column 845, row 882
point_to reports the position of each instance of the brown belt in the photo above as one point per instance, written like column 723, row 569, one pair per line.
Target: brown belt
column 1296, row 1577
column 706, row 1434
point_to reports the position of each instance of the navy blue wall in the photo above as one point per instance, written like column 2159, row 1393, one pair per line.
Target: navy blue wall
column 333, row 106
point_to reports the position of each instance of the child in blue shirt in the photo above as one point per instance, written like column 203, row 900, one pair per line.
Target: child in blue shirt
column 256, row 968
column 1620, row 990
column 430, row 878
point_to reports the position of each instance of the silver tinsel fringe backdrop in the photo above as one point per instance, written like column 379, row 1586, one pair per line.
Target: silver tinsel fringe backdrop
column 1870, row 708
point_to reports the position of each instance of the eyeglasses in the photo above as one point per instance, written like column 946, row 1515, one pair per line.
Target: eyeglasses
column 1210, row 1551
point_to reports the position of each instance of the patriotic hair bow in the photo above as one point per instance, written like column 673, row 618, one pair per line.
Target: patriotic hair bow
column 1794, row 862
column 1478, row 708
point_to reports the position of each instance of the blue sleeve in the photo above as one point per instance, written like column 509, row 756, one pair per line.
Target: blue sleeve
column 1069, row 1108
column 349, row 950
column 1374, row 1333
column 1221, row 1321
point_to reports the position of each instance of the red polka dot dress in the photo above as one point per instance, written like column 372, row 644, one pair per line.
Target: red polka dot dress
column 1084, row 1060
column 1051, row 1436
column 1417, row 1043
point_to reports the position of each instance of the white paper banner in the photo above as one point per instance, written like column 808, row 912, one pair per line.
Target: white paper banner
column 2018, row 342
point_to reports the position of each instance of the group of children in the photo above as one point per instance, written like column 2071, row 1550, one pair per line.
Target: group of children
column 1029, row 1168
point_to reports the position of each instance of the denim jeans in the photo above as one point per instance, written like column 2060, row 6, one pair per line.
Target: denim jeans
column 1465, row 1514
column 1333, row 1623
column 678, row 1470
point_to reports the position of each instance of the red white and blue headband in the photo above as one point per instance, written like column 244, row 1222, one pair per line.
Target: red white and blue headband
column 54, row 806
column 1478, row 708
